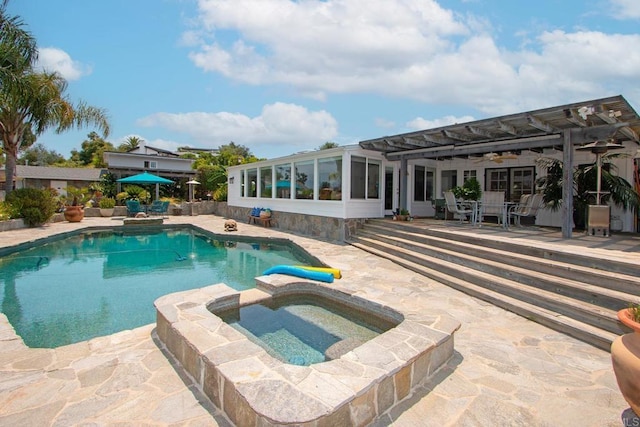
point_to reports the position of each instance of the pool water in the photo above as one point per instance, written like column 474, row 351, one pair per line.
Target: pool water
column 99, row 283
column 299, row 329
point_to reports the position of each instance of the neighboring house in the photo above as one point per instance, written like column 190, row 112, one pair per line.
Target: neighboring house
column 340, row 187
column 154, row 160
column 51, row 177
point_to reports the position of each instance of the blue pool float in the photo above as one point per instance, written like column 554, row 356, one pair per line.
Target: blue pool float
column 291, row 270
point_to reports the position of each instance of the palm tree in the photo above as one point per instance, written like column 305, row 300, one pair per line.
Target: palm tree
column 584, row 182
column 18, row 48
column 130, row 143
column 41, row 104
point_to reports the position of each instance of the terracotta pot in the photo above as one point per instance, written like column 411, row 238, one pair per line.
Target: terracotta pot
column 625, row 356
column 74, row 213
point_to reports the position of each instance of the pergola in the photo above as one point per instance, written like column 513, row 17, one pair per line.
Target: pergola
column 562, row 127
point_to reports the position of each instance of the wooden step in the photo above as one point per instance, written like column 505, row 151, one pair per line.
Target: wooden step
column 578, row 329
column 544, row 278
column 583, row 311
column 628, row 284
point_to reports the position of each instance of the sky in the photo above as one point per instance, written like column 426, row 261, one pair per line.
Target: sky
column 283, row 76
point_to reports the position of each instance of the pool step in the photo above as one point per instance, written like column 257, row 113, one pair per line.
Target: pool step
column 572, row 298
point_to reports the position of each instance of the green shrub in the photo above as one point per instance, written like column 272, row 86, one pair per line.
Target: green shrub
column 34, row 206
column 107, row 203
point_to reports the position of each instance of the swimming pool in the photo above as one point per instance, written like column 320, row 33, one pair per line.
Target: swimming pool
column 104, row 281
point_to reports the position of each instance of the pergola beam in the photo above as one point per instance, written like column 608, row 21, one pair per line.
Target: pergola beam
column 541, row 125
column 456, row 135
column 481, row 132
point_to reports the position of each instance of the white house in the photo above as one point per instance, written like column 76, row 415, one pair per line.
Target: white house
column 328, row 192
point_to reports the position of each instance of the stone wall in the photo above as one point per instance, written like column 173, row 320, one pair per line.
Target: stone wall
column 332, row 229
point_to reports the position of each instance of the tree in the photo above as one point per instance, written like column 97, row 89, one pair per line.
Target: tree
column 40, row 105
column 327, row 145
column 91, row 151
column 620, row 192
column 39, row 155
column 18, row 49
column 131, row 143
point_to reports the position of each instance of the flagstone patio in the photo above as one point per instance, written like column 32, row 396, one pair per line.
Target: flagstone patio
column 505, row 369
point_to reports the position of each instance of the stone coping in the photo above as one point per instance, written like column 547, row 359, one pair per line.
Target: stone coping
column 254, row 388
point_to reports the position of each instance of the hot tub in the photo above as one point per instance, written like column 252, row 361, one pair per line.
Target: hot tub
column 253, row 387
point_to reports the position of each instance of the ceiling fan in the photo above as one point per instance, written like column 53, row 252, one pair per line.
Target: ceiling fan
column 496, row 157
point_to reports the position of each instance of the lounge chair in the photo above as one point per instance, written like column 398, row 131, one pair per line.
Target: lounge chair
column 159, row 208
column 527, row 207
column 134, row 207
column 455, row 207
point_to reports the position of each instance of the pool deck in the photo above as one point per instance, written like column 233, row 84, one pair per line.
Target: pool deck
column 506, row 370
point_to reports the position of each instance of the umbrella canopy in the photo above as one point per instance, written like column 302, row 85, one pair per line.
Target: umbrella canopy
column 284, row 184
column 145, row 178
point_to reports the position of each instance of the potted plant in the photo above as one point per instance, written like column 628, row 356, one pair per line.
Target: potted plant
column 74, row 212
column 470, row 190
column 107, row 204
column 625, row 356
column 402, row 215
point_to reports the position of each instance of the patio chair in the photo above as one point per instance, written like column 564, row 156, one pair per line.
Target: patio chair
column 134, row 207
column 492, row 204
column 455, row 207
column 158, row 207
column 527, row 207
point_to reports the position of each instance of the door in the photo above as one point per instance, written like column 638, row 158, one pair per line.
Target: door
column 389, row 191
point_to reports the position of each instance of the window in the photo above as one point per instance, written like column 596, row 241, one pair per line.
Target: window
column 423, row 184
column 467, row 175
column 522, row 182
column 373, row 179
column 418, row 183
column 497, row 180
column 150, row 164
column 358, row 175
column 266, row 187
column 304, row 179
column 330, row 178
column 283, row 181
column 252, row 177
column 449, row 179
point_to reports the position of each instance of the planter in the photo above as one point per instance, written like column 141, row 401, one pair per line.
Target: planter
column 625, row 356
column 74, row 213
column 106, row 211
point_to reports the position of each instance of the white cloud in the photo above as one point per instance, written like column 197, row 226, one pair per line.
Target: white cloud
column 279, row 124
column 419, row 123
column 384, row 123
column 626, row 9
column 409, row 49
column 53, row 59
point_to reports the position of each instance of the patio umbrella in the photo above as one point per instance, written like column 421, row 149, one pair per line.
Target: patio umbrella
column 147, row 178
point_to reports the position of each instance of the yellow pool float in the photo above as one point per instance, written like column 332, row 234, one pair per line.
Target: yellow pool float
column 336, row 272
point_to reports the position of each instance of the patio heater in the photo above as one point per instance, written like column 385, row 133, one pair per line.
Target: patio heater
column 598, row 216
column 191, row 184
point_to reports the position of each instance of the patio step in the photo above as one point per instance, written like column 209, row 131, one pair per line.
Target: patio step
column 454, row 246
column 572, row 298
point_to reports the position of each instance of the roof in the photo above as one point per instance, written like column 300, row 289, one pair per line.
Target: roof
column 611, row 117
column 60, row 174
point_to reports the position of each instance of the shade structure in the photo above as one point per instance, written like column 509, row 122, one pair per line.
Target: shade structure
column 146, row 178
column 283, row 184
